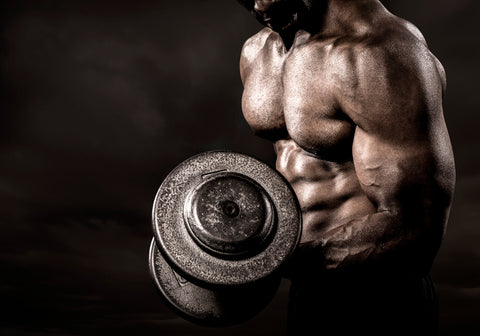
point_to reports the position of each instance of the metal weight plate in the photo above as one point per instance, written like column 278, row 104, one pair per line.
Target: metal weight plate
column 209, row 307
column 229, row 215
column 225, row 219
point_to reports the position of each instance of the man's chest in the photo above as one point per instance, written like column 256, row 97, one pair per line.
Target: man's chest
column 289, row 94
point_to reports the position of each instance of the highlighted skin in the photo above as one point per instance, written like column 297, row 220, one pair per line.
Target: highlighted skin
column 352, row 101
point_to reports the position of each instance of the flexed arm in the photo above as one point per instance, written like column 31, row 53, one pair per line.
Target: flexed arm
column 403, row 160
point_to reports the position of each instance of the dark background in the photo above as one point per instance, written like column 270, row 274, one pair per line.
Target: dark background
column 99, row 100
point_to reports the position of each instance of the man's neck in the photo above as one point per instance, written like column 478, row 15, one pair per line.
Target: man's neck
column 338, row 17
column 333, row 18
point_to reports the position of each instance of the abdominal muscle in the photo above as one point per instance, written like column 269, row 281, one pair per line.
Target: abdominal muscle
column 329, row 192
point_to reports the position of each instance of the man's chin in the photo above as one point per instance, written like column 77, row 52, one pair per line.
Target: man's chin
column 282, row 26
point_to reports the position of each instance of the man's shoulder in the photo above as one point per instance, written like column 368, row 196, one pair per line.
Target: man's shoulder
column 394, row 37
column 251, row 48
column 396, row 49
column 255, row 43
column 383, row 72
column 260, row 36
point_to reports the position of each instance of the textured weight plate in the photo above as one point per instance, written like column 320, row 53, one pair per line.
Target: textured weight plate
column 221, row 307
column 188, row 247
column 229, row 215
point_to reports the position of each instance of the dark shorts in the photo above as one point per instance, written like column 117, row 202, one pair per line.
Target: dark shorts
column 360, row 306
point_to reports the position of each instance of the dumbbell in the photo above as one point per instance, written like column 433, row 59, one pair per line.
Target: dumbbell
column 224, row 223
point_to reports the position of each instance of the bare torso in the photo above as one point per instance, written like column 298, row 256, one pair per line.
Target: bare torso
column 312, row 140
column 308, row 100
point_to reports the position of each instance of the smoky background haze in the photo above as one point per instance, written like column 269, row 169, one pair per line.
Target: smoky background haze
column 99, row 100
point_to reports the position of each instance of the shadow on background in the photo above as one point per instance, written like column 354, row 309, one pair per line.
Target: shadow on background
column 99, row 100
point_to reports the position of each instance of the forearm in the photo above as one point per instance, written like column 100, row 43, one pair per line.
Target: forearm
column 379, row 242
column 364, row 240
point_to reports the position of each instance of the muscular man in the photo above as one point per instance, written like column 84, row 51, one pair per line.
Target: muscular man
column 351, row 97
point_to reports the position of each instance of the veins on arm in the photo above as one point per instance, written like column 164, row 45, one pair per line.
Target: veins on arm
column 403, row 160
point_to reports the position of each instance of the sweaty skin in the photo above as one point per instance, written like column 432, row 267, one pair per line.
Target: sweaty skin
column 351, row 97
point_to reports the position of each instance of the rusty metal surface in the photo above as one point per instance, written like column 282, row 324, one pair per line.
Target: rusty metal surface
column 209, row 307
column 182, row 251
column 229, row 215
